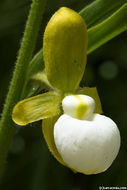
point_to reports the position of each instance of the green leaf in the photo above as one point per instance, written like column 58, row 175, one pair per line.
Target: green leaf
column 36, row 65
column 108, row 29
column 92, row 92
column 36, row 108
column 36, row 84
column 32, row 87
column 99, row 10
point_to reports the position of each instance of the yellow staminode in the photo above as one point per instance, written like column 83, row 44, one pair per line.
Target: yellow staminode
column 78, row 106
column 82, row 108
column 92, row 92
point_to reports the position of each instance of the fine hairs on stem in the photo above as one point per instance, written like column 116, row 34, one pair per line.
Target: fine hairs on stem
column 7, row 127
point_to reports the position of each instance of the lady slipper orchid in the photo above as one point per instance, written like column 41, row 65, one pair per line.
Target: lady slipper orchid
column 77, row 135
column 88, row 145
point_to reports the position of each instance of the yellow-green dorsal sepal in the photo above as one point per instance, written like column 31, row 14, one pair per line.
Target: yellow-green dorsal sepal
column 64, row 49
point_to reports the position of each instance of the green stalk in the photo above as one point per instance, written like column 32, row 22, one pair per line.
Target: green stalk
column 7, row 127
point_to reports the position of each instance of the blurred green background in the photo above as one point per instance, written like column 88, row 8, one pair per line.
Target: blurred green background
column 30, row 165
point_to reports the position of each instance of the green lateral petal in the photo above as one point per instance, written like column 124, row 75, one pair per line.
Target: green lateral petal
column 94, row 94
column 36, row 108
column 47, row 129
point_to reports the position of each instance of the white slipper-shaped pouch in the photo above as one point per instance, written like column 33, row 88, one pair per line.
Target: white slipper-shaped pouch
column 87, row 142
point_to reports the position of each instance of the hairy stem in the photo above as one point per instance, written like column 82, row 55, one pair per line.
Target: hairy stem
column 7, row 127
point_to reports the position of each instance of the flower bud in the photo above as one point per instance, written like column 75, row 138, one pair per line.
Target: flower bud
column 64, row 49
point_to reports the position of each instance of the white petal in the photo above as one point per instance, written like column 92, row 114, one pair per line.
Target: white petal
column 78, row 106
column 88, row 147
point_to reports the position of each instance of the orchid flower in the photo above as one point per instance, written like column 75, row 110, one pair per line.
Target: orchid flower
column 87, row 142
column 77, row 135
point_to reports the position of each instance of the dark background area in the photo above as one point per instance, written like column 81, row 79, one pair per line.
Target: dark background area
column 30, row 165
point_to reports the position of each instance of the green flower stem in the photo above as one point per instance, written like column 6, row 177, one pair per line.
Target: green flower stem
column 7, row 127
